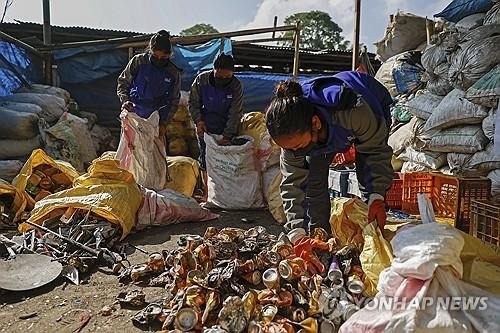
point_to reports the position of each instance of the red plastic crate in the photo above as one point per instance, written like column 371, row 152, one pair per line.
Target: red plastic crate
column 485, row 222
column 450, row 196
column 394, row 197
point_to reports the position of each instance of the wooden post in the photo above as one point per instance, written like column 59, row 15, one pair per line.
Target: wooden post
column 275, row 25
column 47, row 40
column 355, row 48
column 428, row 30
column 297, row 53
column 130, row 53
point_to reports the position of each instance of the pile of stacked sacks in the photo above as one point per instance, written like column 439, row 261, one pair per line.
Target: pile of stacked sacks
column 447, row 122
column 46, row 117
column 234, row 280
column 181, row 133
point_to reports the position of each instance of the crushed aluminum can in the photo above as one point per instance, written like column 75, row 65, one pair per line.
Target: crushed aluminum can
column 195, row 296
column 299, row 315
column 134, row 298
column 210, row 232
column 214, row 329
column 268, row 313
column 327, row 326
column 231, row 316
column 249, row 304
column 193, row 241
column 355, row 285
column 347, row 309
column 320, row 234
column 186, row 319
column 203, row 253
column 213, row 301
column 283, row 250
column 156, row 262
column 139, row 271
column 245, row 267
column 184, row 262
column 291, row 269
column 271, row 279
column 334, row 271
column 195, row 277
column 254, row 278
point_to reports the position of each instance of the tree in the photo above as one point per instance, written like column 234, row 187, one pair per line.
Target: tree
column 199, row 29
column 318, row 31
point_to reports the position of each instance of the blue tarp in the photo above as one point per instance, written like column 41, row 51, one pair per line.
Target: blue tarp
column 458, row 9
column 27, row 65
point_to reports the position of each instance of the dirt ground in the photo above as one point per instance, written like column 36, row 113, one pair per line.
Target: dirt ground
column 60, row 305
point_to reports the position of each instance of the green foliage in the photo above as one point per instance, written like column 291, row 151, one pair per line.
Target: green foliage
column 318, row 31
column 199, row 29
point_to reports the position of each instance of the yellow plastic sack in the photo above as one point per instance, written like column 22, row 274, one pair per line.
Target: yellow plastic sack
column 349, row 222
column 182, row 114
column 271, row 182
column 178, row 146
column 481, row 264
column 184, row 172
column 39, row 157
column 396, row 163
column 111, row 191
column 254, row 125
column 19, row 204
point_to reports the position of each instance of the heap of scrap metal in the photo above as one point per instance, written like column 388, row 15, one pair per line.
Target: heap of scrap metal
column 78, row 239
column 236, row 280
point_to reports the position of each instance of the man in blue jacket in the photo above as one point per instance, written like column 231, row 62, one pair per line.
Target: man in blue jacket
column 215, row 104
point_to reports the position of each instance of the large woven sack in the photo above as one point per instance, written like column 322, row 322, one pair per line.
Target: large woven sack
column 405, row 32
column 493, row 15
column 472, row 60
column 486, row 90
column 422, row 105
column 455, row 110
column 460, row 139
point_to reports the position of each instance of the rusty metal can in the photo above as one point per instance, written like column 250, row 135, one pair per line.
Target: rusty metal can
column 355, row 285
column 268, row 313
column 291, row 269
column 139, row 271
column 299, row 315
column 271, row 279
column 156, row 262
column 254, row 277
column 186, row 319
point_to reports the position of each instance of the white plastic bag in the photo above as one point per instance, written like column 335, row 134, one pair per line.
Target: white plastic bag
column 488, row 124
column 493, row 15
column 141, row 151
column 170, row 207
column 430, row 160
column 454, row 110
column 234, row 181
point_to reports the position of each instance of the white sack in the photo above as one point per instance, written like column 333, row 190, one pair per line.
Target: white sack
column 460, row 139
column 423, row 105
column 430, row 160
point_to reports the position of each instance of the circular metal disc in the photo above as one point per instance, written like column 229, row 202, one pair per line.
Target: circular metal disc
column 28, row 271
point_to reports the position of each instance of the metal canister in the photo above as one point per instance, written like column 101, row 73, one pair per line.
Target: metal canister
column 186, row 319
column 291, row 269
column 156, row 262
column 299, row 315
column 355, row 285
column 334, row 271
column 268, row 313
column 254, row 277
column 271, row 279
column 347, row 309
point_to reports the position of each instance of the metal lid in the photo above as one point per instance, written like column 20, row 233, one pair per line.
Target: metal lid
column 186, row 319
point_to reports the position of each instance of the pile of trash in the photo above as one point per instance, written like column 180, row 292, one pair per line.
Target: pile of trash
column 447, row 95
column 46, row 117
column 235, row 280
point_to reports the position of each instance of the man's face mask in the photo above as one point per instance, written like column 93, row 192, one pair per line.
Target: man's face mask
column 222, row 81
column 307, row 149
column 159, row 62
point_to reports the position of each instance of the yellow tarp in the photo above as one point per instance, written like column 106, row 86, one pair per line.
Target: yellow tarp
column 254, row 125
column 184, row 172
column 349, row 222
column 19, row 204
column 39, row 157
column 110, row 191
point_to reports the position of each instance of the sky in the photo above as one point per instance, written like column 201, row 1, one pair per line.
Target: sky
column 226, row 15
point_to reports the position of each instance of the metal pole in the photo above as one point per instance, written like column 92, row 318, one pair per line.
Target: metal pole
column 17, row 42
column 428, row 30
column 297, row 49
column 355, row 48
column 47, row 36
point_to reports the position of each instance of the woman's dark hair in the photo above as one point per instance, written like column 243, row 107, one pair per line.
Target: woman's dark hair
column 160, row 41
column 289, row 112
